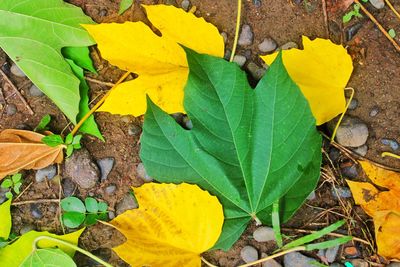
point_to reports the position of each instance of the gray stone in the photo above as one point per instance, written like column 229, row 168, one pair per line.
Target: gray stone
column 374, row 111
column 362, row 150
column 46, row 173
column 34, row 91
column 111, row 215
column 312, row 196
column 334, row 154
column 142, row 173
column 352, row 132
column 269, row 263
column 106, row 165
column 350, row 171
column 110, row 189
column 257, row 3
column 224, row 36
column 185, row 5
column 289, row 45
column 68, row 186
column 255, row 71
column 342, row 192
column 249, row 254
column 264, row 234
column 26, row 228
column 331, row 253
column 296, row 259
column 17, row 71
column 359, row 263
column 11, row 109
column 393, row 264
column 246, row 35
column 353, row 104
column 134, row 129
column 379, row 4
column 128, row 202
column 267, row 45
column 240, row 60
column 81, row 169
column 390, row 142
column 187, row 123
column 227, row 54
column 36, row 212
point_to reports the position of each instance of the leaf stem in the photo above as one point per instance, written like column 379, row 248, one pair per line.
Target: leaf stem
column 95, row 107
column 344, row 112
column 388, row 154
column 302, row 248
column 235, row 41
column 276, row 226
column 87, row 253
column 392, row 8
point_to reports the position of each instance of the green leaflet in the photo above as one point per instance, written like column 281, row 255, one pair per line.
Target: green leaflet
column 5, row 215
column 249, row 147
column 80, row 56
column 33, row 33
column 124, row 5
column 48, row 257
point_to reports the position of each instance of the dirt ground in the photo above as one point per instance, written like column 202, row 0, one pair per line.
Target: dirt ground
column 376, row 80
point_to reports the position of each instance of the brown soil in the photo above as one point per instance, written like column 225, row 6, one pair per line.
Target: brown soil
column 375, row 79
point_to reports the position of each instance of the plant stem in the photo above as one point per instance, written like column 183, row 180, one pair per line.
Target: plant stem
column 344, row 112
column 101, row 101
column 302, row 248
column 235, row 41
column 276, row 226
column 388, row 154
column 87, row 253
column 392, row 8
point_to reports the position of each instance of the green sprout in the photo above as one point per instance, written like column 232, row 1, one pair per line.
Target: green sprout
column 12, row 183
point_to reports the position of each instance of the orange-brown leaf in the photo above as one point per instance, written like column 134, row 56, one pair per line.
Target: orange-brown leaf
column 21, row 149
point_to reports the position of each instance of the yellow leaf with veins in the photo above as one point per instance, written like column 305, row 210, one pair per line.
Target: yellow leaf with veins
column 160, row 61
column 173, row 225
column 382, row 205
column 321, row 70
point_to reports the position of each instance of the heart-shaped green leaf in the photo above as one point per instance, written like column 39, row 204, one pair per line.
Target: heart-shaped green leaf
column 249, row 147
column 48, row 257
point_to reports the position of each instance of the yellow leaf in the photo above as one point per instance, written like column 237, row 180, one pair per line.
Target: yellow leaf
column 5, row 215
column 322, row 71
column 160, row 62
column 173, row 225
column 382, row 206
column 21, row 149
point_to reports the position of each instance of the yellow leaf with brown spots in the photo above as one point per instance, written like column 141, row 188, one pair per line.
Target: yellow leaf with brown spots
column 173, row 225
column 382, row 205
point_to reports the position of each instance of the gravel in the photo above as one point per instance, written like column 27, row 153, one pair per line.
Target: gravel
column 224, row 36
column 11, row 109
column 379, row 4
column 249, row 254
column 246, row 36
column 350, row 171
column 390, row 142
column 134, row 130
column 331, row 253
column 359, row 263
column 106, row 165
column 352, row 132
column 128, row 202
column 187, row 123
column 267, row 45
column 374, row 111
column 26, row 228
column 312, row 196
column 185, row 5
column 46, row 173
column 362, row 150
column 296, row 259
column 69, row 187
column 289, row 45
column 264, row 234
column 240, row 60
column 353, row 104
column 110, row 189
column 269, row 263
column 342, row 192
column 36, row 212
column 34, row 91
column 81, row 169
column 256, row 71
column 17, row 71
column 142, row 173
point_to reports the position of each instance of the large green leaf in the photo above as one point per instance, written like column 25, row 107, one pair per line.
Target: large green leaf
column 33, row 33
column 248, row 147
column 48, row 257
column 5, row 215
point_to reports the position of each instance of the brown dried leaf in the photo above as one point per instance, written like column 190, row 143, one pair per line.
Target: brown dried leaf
column 21, row 149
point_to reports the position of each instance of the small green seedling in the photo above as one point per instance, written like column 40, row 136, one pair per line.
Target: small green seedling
column 392, row 33
column 353, row 13
column 75, row 212
column 12, row 183
column 5, row 242
column 44, row 122
column 71, row 142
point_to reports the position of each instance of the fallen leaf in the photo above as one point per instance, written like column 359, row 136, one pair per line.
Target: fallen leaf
column 5, row 215
column 249, row 147
column 21, row 149
column 160, row 62
column 37, row 51
column 173, row 225
column 13, row 255
column 321, row 70
column 382, row 206
column 48, row 257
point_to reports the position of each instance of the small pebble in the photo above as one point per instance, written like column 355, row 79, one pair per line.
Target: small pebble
column 289, row 45
column 106, row 165
column 187, row 123
column 331, row 253
column 26, row 228
column 312, row 196
column 11, row 109
column 247, row 54
column 23, row 126
column 17, row 71
column 353, row 104
column 362, row 150
column 257, row 3
column 379, row 4
column 334, row 154
column 224, row 36
column 390, row 142
column 68, row 186
column 349, row 171
column 255, row 71
column 351, row 252
column 249, row 254
column 353, row 30
column 264, row 234
column 126, row 118
column 246, row 36
column 103, row 12
column 185, row 5
column 36, row 212
column 267, row 45
column 142, row 173
column 240, row 60
column 352, row 132
column 178, row 117
column 46, row 173
column 296, row 259
column 134, row 129
column 359, row 263
column 374, row 111
column 110, row 189
column 34, row 91
column 269, row 263
column 128, row 202
column 342, row 192
column 111, row 215
column 227, row 54
column 394, row 264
